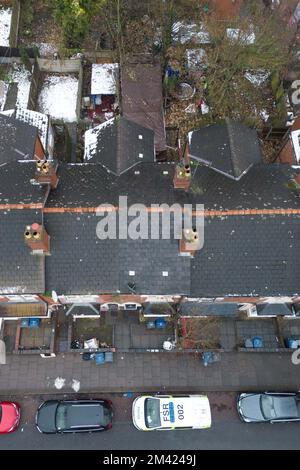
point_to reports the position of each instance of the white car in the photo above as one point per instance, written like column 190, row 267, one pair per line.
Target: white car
column 167, row 412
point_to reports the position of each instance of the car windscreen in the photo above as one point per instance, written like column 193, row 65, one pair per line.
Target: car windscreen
column 106, row 417
column 61, row 417
column 152, row 413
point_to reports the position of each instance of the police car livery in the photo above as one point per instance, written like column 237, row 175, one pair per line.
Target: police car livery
column 161, row 412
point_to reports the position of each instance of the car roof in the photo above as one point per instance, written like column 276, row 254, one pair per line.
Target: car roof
column 84, row 414
column 196, row 411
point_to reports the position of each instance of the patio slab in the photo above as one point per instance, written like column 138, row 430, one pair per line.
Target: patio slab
column 266, row 329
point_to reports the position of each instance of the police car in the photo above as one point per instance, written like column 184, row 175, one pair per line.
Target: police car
column 167, row 412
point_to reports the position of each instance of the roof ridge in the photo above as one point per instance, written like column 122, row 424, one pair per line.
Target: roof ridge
column 206, row 212
column 234, row 157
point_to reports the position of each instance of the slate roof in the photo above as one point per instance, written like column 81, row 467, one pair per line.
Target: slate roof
column 263, row 187
column 142, row 98
column 33, row 118
column 194, row 308
column 248, row 255
column 21, row 272
column 119, row 144
column 80, row 263
column 242, row 254
column 277, row 309
column 16, row 186
column 17, row 139
column 230, row 148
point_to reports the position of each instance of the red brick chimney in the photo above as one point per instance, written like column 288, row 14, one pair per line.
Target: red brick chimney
column 189, row 242
column 46, row 173
column 182, row 177
column 294, row 183
column 183, row 174
column 37, row 239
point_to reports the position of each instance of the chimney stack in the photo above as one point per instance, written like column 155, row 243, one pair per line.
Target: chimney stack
column 37, row 239
column 46, row 173
column 294, row 183
column 189, row 242
column 183, row 176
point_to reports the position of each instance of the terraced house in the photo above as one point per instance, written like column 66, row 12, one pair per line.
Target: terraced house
column 51, row 255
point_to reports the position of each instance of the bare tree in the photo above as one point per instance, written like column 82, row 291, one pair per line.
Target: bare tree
column 254, row 44
column 199, row 332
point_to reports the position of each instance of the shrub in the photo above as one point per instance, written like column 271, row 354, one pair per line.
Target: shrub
column 75, row 17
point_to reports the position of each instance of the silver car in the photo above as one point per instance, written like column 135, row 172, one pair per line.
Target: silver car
column 268, row 407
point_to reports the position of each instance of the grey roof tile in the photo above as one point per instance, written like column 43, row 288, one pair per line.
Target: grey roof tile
column 80, row 262
column 257, row 255
column 21, row 272
column 16, row 186
column 119, row 144
column 231, row 148
column 17, row 139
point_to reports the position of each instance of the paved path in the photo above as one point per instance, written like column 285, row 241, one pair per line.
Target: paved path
column 151, row 372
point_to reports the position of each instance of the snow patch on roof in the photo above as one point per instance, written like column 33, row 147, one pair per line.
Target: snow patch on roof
column 36, row 119
column 5, row 21
column 296, row 143
column 104, row 79
column 91, row 139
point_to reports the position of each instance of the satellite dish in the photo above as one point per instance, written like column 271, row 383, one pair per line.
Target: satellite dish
column 54, row 296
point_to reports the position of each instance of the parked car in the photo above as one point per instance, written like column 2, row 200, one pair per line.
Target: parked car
column 9, row 416
column 167, row 412
column 55, row 416
column 268, row 407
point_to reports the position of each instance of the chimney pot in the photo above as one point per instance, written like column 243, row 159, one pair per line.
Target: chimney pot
column 189, row 242
column 37, row 239
column 46, row 173
column 182, row 177
column 27, row 234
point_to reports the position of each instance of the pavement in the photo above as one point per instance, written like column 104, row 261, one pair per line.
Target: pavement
column 142, row 372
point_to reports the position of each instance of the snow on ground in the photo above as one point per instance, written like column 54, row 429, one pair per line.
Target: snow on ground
column 59, row 383
column 75, row 385
column 3, row 93
column 5, row 20
column 23, row 77
column 58, row 97
column 17, row 74
column 45, row 48
column 257, row 78
column 238, row 35
column 184, row 32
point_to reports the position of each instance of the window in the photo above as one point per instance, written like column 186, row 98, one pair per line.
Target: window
column 152, row 413
column 60, row 418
